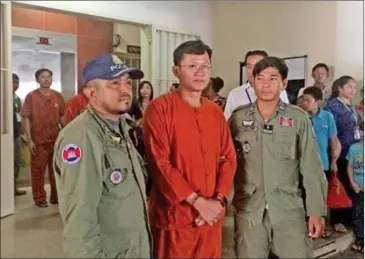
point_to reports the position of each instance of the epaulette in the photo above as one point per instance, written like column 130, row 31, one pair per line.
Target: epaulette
column 242, row 107
column 297, row 108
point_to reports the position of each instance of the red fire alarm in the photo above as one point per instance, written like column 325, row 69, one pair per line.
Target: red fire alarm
column 43, row 41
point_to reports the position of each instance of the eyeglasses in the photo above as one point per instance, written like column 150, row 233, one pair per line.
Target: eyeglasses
column 196, row 67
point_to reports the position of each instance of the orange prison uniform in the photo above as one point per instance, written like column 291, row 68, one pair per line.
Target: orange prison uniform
column 183, row 147
column 76, row 105
column 44, row 113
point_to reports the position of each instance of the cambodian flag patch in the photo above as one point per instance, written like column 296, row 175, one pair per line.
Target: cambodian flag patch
column 286, row 122
column 71, row 154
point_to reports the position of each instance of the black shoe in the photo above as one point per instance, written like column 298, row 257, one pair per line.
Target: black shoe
column 53, row 201
column 18, row 192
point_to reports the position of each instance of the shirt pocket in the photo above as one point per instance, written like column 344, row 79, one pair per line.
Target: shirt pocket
column 119, row 179
column 286, row 142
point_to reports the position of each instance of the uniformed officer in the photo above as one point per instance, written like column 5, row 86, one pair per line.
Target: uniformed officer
column 276, row 144
column 100, row 176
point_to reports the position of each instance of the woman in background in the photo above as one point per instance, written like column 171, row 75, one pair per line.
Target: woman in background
column 346, row 118
column 145, row 95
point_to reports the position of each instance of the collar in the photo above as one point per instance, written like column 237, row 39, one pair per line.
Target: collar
column 280, row 109
column 104, row 124
column 203, row 101
column 319, row 115
column 246, row 85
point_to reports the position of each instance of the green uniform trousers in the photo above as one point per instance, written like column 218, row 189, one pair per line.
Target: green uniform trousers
column 287, row 239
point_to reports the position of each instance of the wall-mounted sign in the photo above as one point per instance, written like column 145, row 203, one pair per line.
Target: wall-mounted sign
column 43, row 41
column 133, row 49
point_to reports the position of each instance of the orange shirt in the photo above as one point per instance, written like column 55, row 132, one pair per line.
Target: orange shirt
column 184, row 146
column 74, row 107
column 44, row 113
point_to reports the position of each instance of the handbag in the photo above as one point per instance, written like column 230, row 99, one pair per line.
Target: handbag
column 337, row 197
column 26, row 156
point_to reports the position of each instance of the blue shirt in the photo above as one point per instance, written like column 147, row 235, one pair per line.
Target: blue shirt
column 346, row 123
column 355, row 156
column 324, row 128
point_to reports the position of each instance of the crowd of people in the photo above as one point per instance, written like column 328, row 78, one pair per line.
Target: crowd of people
column 147, row 177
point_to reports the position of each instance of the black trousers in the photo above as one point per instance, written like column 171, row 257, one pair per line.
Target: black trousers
column 358, row 216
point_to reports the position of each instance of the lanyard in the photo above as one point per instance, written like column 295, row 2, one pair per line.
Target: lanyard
column 349, row 109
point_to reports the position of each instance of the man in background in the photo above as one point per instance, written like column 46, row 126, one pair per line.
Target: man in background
column 245, row 94
column 42, row 112
column 325, row 130
column 320, row 75
column 17, row 134
column 76, row 105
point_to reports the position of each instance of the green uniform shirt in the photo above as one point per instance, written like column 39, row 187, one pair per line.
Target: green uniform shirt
column 17, row 121
column 271, row 156
column 101, row 188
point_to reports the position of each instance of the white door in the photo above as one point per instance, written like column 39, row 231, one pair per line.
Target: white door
column 6, row 109
column 157, row 62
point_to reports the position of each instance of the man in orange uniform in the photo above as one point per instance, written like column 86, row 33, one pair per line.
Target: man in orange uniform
column 76, row 105
column 42, row 112
column 191, row 159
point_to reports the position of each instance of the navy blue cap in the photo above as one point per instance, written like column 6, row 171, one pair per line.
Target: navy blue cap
column 108, row 67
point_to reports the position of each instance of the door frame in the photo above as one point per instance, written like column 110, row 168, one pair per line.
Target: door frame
column 7, row 134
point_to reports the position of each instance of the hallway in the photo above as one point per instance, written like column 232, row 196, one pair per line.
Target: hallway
column 32, row 232
column 37, row 233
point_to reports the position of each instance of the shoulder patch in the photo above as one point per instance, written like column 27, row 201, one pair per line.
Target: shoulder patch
column 71, row 154
column 242, row 107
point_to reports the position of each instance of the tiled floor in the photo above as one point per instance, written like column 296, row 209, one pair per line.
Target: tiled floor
column 32, row 232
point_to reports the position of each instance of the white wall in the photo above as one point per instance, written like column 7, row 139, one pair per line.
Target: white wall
column 282, row 28
column 186, row 16
column 329, row 32
column 349, row 52
column 130, row 33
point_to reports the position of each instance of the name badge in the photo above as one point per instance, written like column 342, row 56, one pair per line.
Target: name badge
column 357, row 133
column 268, row 129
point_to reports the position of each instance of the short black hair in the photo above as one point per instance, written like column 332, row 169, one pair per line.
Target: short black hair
column 262, row 53
column 40, row 71
column 15, row 76
column 323, row 65
column 274, row 62
column 315, row 92
column 197, row 47
column 217, row 84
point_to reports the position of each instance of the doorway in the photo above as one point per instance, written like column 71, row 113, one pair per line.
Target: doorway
column 28, row 55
